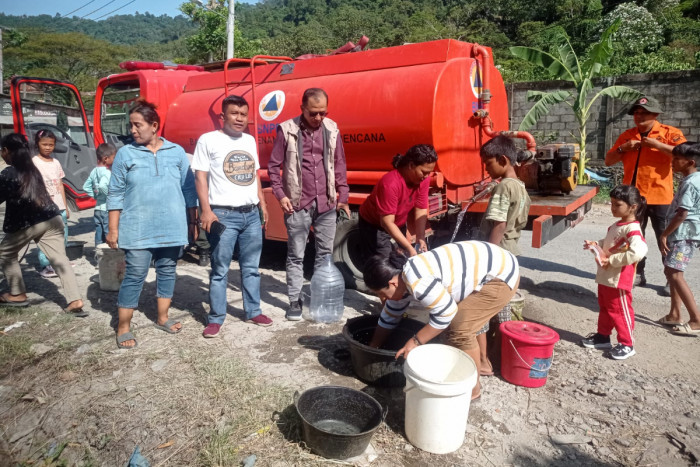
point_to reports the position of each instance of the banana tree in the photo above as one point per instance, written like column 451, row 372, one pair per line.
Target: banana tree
column 568, row 67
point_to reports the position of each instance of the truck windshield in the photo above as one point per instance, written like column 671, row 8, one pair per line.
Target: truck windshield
column 117, row 99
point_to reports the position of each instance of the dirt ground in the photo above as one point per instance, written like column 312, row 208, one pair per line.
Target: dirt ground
column 68, row 396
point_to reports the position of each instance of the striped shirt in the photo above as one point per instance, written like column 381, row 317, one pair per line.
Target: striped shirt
column 441, row 278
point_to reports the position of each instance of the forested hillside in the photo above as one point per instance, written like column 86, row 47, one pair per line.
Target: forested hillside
column 655, row 35
column 118, row 29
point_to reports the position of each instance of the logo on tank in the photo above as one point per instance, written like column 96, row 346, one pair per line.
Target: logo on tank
column 271, row 105
column 475, row 79
column 239, row 168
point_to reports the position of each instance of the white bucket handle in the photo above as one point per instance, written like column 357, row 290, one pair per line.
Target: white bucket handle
column 527, row 364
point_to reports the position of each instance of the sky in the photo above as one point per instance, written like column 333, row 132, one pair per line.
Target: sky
column 103, row 7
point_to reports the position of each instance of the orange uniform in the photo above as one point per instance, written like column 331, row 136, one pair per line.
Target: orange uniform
column 654, row 174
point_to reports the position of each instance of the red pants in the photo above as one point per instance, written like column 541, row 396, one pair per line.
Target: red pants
column 616, row 312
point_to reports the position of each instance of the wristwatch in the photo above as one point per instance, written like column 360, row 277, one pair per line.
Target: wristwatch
column 619, row 149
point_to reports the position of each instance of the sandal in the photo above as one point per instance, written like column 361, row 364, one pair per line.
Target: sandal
column 127, row 336
column 669, row 322
column 478, row 396
column 77, row 312
column 5, row 301
column 486, row 371
column 167, row 325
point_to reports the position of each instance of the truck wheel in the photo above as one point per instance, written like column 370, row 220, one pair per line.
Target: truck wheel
column 347, row 254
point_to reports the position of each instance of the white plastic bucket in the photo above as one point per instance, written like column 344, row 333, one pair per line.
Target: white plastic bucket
column 439, row 383
column 112, row 265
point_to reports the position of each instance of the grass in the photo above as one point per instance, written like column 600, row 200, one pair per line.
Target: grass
column 246, row 424
column 15, row 344
column 14, row 350
column 603, row 195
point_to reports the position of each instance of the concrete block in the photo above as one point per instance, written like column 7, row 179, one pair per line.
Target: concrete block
column 679, row 115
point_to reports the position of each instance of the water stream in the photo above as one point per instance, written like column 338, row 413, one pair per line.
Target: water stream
column 475, row 198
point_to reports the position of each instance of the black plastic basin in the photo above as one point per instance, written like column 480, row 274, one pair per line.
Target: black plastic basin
column 338, row 422
column 378, row 367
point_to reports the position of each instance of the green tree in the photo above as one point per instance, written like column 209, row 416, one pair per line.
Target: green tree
column 209, row 42
column 72, row 57
column 567, row 66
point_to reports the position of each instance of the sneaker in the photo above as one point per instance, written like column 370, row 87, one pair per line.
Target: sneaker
column 596, row 341
column 212, row 330
column 621, row 352
column 48, row 272
column 294, row 311
column 640, row 280
column 261, row 320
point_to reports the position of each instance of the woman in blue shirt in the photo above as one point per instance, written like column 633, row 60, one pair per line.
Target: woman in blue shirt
column 150, row 188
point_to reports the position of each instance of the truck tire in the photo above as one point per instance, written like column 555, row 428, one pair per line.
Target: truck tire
column 347, row 254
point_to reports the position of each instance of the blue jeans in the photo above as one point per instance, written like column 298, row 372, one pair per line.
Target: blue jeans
column 43, row 260
column 137, row 264
column 101, row 219
column 244, row 228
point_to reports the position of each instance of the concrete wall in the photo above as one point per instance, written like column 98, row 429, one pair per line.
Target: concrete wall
column 678, row 93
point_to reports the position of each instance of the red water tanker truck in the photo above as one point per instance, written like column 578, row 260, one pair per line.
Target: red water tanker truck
column 447, row 93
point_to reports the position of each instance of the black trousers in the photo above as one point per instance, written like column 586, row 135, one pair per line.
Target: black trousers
column 656, row 213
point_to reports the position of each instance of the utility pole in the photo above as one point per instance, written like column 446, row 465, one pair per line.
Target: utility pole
column 229, row 22
column 229, row 28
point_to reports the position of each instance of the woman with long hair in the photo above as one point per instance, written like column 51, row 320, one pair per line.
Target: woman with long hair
column 31, row 215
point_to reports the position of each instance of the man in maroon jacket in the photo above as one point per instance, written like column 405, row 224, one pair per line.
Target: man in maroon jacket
column 313, row 185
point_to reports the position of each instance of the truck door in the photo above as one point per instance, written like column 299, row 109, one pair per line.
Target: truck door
column 46, row 104
column 115, row 99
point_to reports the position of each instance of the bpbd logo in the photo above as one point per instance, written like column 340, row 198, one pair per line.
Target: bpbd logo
column 271, row 105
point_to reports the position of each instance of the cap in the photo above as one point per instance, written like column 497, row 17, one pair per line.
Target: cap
column 647, row 103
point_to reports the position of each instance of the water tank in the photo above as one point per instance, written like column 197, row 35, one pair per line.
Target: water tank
column 383, row 100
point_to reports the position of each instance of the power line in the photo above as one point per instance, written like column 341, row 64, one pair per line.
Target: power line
column 79, row 8
column 116, row 9
column 109, row 2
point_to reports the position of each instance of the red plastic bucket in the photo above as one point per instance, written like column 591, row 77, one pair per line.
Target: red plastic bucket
column 526, row 353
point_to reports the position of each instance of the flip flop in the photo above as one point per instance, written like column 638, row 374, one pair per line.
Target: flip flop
column 167, row 325
column 478, row 396
column 486, row 371
column 667, row 322
column 77, row 312
column 127, row 336
column 685, row 330
column 9, row 303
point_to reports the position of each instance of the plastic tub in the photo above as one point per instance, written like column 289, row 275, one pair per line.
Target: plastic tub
column 439, row 383
column 527, row 350
column 74, row 249
column 378, row 367
column 338, row 422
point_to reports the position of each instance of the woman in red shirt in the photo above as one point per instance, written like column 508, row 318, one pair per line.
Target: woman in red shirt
column 383, row 215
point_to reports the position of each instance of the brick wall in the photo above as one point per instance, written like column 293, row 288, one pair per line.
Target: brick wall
column 678, row 93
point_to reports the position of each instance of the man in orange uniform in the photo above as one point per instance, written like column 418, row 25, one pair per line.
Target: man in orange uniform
column 645, row 154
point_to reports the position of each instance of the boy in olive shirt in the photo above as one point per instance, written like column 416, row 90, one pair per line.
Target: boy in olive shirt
column 505, row 216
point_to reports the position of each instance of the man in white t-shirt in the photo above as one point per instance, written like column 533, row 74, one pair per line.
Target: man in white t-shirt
column 226, row 164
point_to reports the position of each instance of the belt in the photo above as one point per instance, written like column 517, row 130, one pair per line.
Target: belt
column 245, row 208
